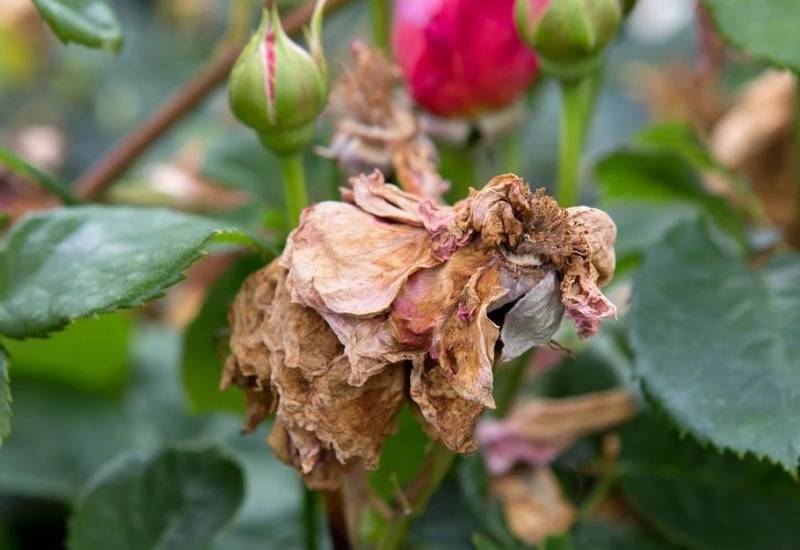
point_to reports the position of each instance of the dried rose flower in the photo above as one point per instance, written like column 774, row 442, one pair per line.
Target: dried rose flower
column 461, row 57
column 388, row 297
column 376, row 127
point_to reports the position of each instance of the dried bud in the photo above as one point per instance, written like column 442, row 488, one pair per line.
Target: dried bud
column 568, row 35
column 376, row 128
column 388, row 283
column 461, row 57
column 276, row 87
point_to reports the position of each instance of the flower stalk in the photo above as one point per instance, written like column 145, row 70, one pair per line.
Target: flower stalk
column 380, row 19
column 577, row 102
column 294, row 186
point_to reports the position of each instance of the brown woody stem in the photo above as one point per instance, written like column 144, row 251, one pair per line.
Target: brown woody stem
column 116, row 162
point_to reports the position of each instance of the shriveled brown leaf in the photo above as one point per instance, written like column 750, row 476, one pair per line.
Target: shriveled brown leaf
column 533, row 504
column 756, row 138
column 538, row 430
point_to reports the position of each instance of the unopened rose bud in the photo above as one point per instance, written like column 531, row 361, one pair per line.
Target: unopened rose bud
column 568, row 35
column 278, row 88
column 461, row 57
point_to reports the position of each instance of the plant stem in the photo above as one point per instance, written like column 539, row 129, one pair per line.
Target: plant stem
column 380, row 16
column 310, row 510
column 437, row 462
column 577, row 100
column 511, row 153
column 294, row 186
column 92, row 183
column 337, row 522
column 457, row 165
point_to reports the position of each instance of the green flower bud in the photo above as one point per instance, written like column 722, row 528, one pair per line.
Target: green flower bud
column 568, row 35
column 276, row 87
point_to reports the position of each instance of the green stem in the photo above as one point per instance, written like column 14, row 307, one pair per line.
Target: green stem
column 380, row 16
column 310, row 512
column 458, row 166
column 294, row 186
column 511, row 153
column 437, row 462
column 509, row 384
column 577, row 101
column 600, row 491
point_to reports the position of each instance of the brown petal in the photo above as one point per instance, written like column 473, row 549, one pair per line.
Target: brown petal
column 447, row 417
column 344, row 260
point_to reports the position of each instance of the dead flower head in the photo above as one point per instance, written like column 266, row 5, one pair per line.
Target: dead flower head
column 388, row 298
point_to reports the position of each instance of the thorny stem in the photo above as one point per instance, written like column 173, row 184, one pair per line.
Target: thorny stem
column 577, row 101
column 458, row 166
column 116, row 162
column 437, row 462
column 294, row 186
column 380, row 18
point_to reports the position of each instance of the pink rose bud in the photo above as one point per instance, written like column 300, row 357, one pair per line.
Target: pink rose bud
column 461, row 57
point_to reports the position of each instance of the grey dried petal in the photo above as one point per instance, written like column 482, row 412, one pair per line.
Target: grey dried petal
column 534, row 319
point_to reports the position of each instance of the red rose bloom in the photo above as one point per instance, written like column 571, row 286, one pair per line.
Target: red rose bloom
column 461, row 57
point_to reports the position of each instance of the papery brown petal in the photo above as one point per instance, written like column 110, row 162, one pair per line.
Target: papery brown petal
column 466, row 339
column 499, row 211
column 533, row 504
column 325, row 473
column 344, row 260
column 590, row 266
column 352, row 421
column 248, row 366
column 446, row 416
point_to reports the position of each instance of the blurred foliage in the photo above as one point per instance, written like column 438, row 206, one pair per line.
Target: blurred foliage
column 121, row 386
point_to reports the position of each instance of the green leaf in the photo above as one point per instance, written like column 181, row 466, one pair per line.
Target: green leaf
column 19, row 166
column 171, row 498
column 764, row 29
column 698, row 498
column 716, row 344
column 60, row 437
column 63, row 264
column 88, row 22
column 75, row 358
column 5, row 397
column 653, row 184
column 205, row 344
column 604, row 535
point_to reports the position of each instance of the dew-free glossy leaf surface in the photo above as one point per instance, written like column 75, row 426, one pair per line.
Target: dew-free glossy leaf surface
column 171, row 498
column 716, row 342
column 88, row 22
column 63, row 264
column 699, row 498
column 766, row 29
